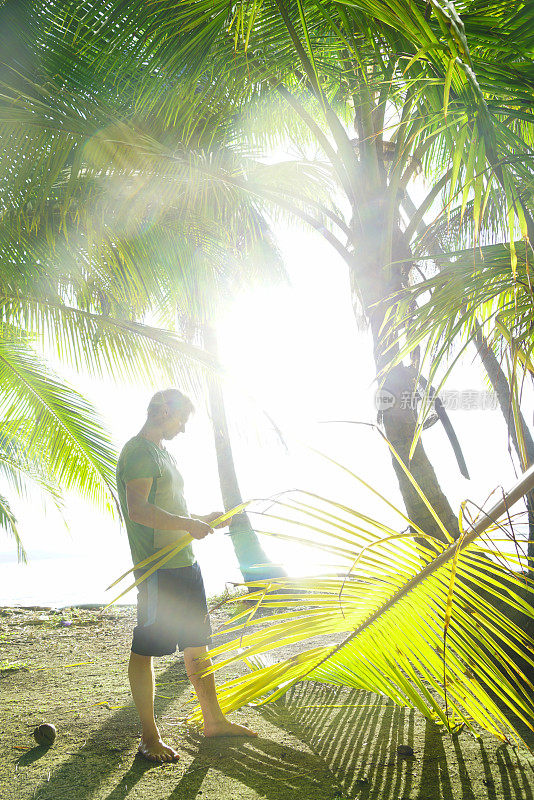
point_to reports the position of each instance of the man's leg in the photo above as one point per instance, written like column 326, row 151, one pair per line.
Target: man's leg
column 215, row 723
column 141, row 675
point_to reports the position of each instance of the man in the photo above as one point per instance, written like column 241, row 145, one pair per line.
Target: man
column 171, row 603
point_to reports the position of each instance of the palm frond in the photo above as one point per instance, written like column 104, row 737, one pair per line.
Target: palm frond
column 473, row 290
column 9, row 524
column 109, row 347
column 18, row 470
column 432, row 632
column 54, row 423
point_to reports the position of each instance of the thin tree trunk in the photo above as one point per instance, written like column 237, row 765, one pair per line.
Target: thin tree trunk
column 502, row 391
column 253, row 562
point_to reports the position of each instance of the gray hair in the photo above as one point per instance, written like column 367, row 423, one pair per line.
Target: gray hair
column 169, row 397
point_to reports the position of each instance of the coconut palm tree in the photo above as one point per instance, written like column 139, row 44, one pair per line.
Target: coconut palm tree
column 116, row 237
column 127, row 274
column 475, row 298
column 456, row 319
column 400, row 637
column 214, row 279
column 424, row 89
column 253, row 562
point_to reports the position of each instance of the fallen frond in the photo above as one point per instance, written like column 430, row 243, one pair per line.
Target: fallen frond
column 439, row 633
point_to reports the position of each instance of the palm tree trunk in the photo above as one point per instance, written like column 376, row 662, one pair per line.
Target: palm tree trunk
column 399, row 424
column 253, row 562
column 502, row 391
column 374, row 284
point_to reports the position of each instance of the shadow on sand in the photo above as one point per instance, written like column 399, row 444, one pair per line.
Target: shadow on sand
column 356, row 735
column 327, row 742
column 274, row 769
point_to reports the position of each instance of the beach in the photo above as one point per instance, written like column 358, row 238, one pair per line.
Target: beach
column 68, row 668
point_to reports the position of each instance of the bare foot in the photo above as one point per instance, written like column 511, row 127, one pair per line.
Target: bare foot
column 157, row 750
column 225, row 728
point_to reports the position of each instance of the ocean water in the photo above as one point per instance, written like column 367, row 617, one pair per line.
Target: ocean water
column 57, row 581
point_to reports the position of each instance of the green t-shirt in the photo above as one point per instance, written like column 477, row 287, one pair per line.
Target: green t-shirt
column 140, row 458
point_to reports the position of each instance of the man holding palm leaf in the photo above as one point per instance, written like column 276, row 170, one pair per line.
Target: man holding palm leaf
column 171, row 603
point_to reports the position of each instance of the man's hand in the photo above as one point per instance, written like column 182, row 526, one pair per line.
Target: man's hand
column 198, row 529
column 210, row 518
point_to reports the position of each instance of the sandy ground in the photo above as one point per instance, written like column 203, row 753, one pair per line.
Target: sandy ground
column 319, row 742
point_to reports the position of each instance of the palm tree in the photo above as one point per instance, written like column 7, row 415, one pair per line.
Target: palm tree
column 253, row 562
column 85, row 226
column 320, row 59
column 122, row 275
column 474, row 298
column 516, row 424
column 248, row 258
column 464, row 309
column 423, row 89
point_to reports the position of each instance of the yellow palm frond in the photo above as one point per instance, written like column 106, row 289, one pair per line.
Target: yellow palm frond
column 439, row 633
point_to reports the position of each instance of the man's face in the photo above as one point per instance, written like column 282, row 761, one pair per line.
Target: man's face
column 174, row 421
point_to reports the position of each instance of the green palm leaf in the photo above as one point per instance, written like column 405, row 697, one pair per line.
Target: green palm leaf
column 123, row 97
column 54, row 422
column 9, row 524
column 22, row 473
column 432, row 632
column 443, row 312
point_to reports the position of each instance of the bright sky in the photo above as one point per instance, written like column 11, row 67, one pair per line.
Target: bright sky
column 298, row 351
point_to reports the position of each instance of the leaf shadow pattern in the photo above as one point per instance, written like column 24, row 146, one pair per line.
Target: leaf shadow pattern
column 355, row 733
column 436, row 780
column 331, row 742
column 273, row 770
column 516, row 779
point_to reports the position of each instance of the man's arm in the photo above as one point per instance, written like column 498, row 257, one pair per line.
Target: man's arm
column 145, row 513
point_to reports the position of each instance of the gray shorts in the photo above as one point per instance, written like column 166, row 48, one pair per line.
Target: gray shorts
column 171, row 612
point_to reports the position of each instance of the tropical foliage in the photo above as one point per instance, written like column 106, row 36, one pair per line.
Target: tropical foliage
column 429, row 87
column 433, row 632
column 82, row 298
column 131, row 139
column 104, row 227
column 446, row 629
column 472, row 290
column 51, row 437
